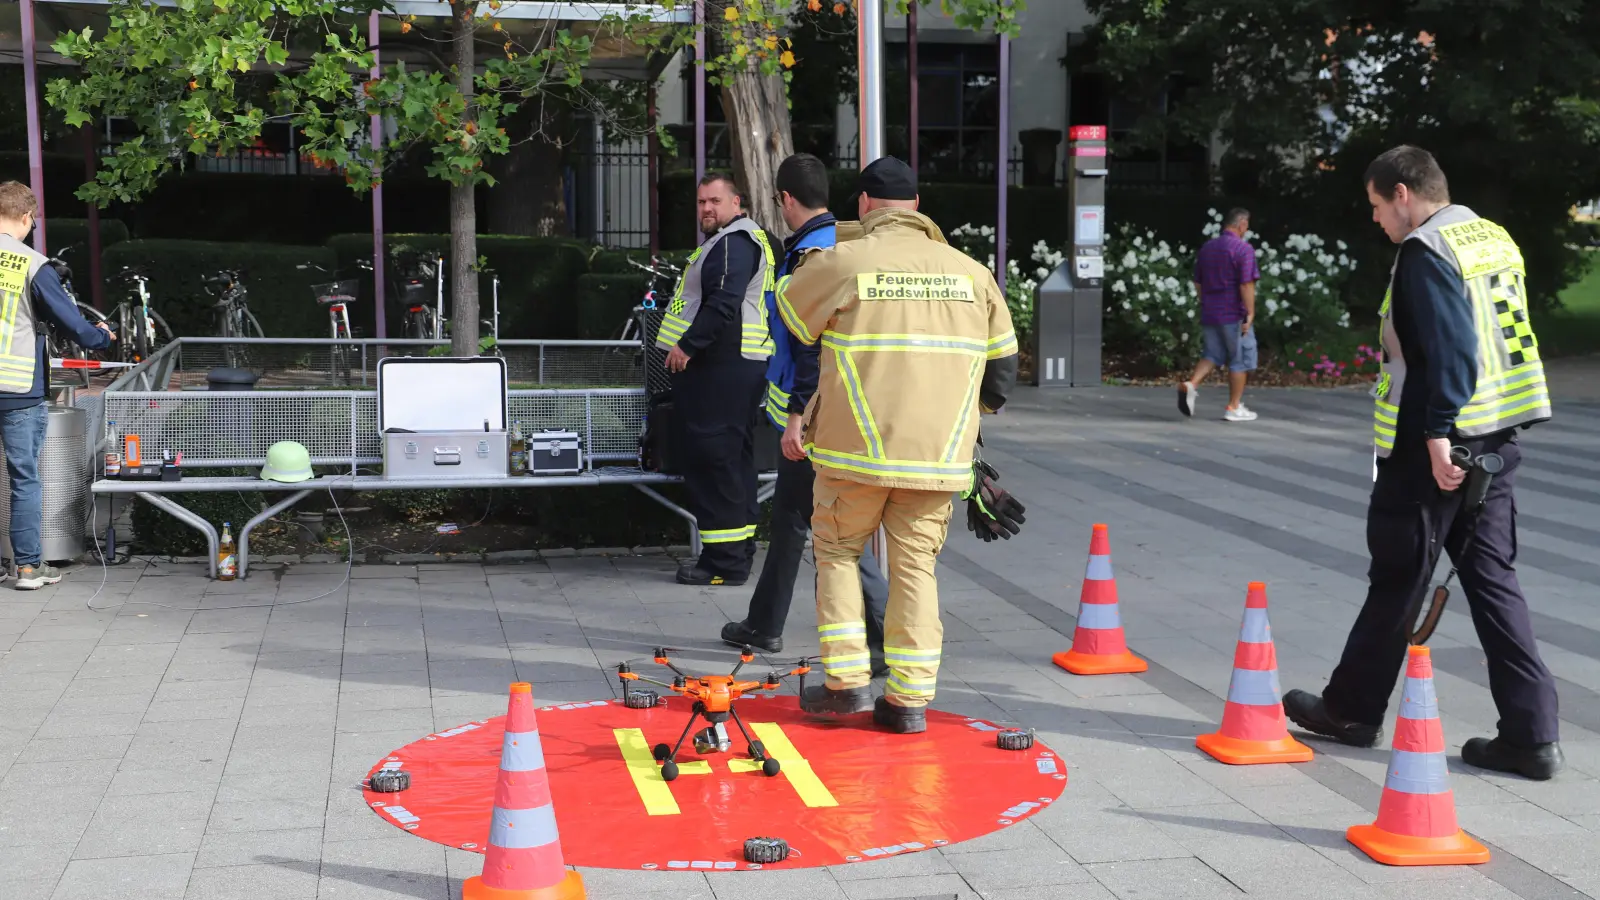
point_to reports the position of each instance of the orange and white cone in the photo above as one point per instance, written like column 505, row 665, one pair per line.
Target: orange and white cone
column 1253, row 726
column 1416, row 823
column 523, row 859
column 1098, row 646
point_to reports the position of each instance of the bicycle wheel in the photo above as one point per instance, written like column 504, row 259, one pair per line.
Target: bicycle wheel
column 163, row 335
column 252, row 328
column 141, row 338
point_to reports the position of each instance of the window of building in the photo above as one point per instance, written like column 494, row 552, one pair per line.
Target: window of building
column 958, row 103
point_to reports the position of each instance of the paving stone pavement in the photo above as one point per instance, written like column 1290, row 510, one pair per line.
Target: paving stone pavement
column 187, row 739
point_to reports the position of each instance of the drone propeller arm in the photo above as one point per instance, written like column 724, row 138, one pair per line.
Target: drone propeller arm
column 651, row 681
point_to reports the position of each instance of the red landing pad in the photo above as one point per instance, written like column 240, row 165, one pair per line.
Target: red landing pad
column 847, row 792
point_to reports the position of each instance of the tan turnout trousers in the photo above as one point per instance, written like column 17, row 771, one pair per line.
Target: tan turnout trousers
column 916, row 523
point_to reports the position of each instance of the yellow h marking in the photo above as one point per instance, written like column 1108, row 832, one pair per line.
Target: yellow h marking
column 795, row 767
column 646, row 772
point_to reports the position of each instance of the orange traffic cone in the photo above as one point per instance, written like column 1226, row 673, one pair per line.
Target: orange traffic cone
column 523, row 858
column 1098, row 647
column 1253, row 727
column 1416, row 823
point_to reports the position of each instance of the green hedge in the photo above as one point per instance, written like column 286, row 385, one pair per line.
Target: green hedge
column 538, row 280
column 605, row 303
column 280, row 294
column 1033, row 214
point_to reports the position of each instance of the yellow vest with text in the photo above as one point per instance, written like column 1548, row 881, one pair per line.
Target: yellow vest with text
column 18, row 328
column 755, row 339
column 1510, row 389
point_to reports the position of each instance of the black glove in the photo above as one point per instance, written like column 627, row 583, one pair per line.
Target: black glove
column 991, row 511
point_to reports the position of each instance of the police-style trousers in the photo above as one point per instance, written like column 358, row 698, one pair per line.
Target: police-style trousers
column 915, row 524
column 792, row 504
column 1408, row 520
column 714, row 415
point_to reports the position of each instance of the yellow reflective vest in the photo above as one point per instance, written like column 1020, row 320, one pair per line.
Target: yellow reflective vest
column 755, row 340
column 916, row 341
column 1510, row 388
column 18, row 328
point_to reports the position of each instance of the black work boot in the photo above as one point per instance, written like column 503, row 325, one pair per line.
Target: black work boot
column 692, row 574
column 819, row 699
column 899, row 719
column 739, row 634
column 1539, row 762
column 1309, row 712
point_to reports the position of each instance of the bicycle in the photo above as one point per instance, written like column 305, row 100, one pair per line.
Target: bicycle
column 233, row 308
column 657, row 270
column 337, row 296
column 148, row 329
column 419, row 320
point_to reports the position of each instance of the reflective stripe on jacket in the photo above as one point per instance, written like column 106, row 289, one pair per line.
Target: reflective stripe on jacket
column 909, row 326
column 18, row 325
column 781, row 368
column 1510, row 389
column 755, row 341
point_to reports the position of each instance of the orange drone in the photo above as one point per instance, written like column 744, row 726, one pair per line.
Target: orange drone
column 713, row 697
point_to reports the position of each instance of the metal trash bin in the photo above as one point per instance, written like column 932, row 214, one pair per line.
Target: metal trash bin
column 65, row 476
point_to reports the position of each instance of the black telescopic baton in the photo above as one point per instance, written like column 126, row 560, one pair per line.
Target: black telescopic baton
column 1480, row 473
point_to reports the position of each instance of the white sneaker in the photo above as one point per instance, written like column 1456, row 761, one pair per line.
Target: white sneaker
column 1240, row 413
column 1187, row 396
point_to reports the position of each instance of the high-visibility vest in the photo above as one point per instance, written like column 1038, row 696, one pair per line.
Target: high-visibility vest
column 1510, row 388
column 18, row 350
column 781, row 368
column 755, row 340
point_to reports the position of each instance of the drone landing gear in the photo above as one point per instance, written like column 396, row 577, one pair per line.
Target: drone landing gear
column 712, row 739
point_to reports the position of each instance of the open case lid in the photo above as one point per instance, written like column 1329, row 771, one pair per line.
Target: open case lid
column 441, row 393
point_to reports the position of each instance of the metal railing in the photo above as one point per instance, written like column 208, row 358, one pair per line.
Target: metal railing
column 306, row 363
column 593, row 388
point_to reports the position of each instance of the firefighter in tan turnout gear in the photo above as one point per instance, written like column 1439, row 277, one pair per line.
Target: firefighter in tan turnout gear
column 916, row 341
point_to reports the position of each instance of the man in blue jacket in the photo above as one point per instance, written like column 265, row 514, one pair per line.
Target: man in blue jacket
column 802, row 186
column 30, row 295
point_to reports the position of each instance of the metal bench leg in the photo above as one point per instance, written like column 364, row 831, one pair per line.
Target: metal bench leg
column 694, row 527
column 269, row 512
column 190, row 519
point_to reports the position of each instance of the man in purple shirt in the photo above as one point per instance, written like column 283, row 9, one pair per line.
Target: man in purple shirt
column 1225, row 276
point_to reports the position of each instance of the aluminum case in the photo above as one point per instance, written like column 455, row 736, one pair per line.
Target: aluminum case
column 554, row 452
column 443, row 418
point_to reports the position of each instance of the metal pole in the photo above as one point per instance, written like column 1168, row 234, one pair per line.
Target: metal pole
column 869, row 65
column 97, row 290
column 699, row 107
column 30, row 85
column 653, row 150
column 377, row 197
column 1003, row 166
column 911, row 72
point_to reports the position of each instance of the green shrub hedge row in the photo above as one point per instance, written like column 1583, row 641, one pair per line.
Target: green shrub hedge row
column 551, row 288
column 1033, row 214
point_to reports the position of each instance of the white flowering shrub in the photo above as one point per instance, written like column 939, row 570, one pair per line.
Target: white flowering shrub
column 978, row 242
column 1153, row 310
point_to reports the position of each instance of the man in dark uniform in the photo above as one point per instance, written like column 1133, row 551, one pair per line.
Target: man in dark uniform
column 717, row 342
column 1461, row 368
column 802, row 189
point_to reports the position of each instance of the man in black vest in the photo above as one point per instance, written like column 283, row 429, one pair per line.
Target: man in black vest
column 718, row 361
